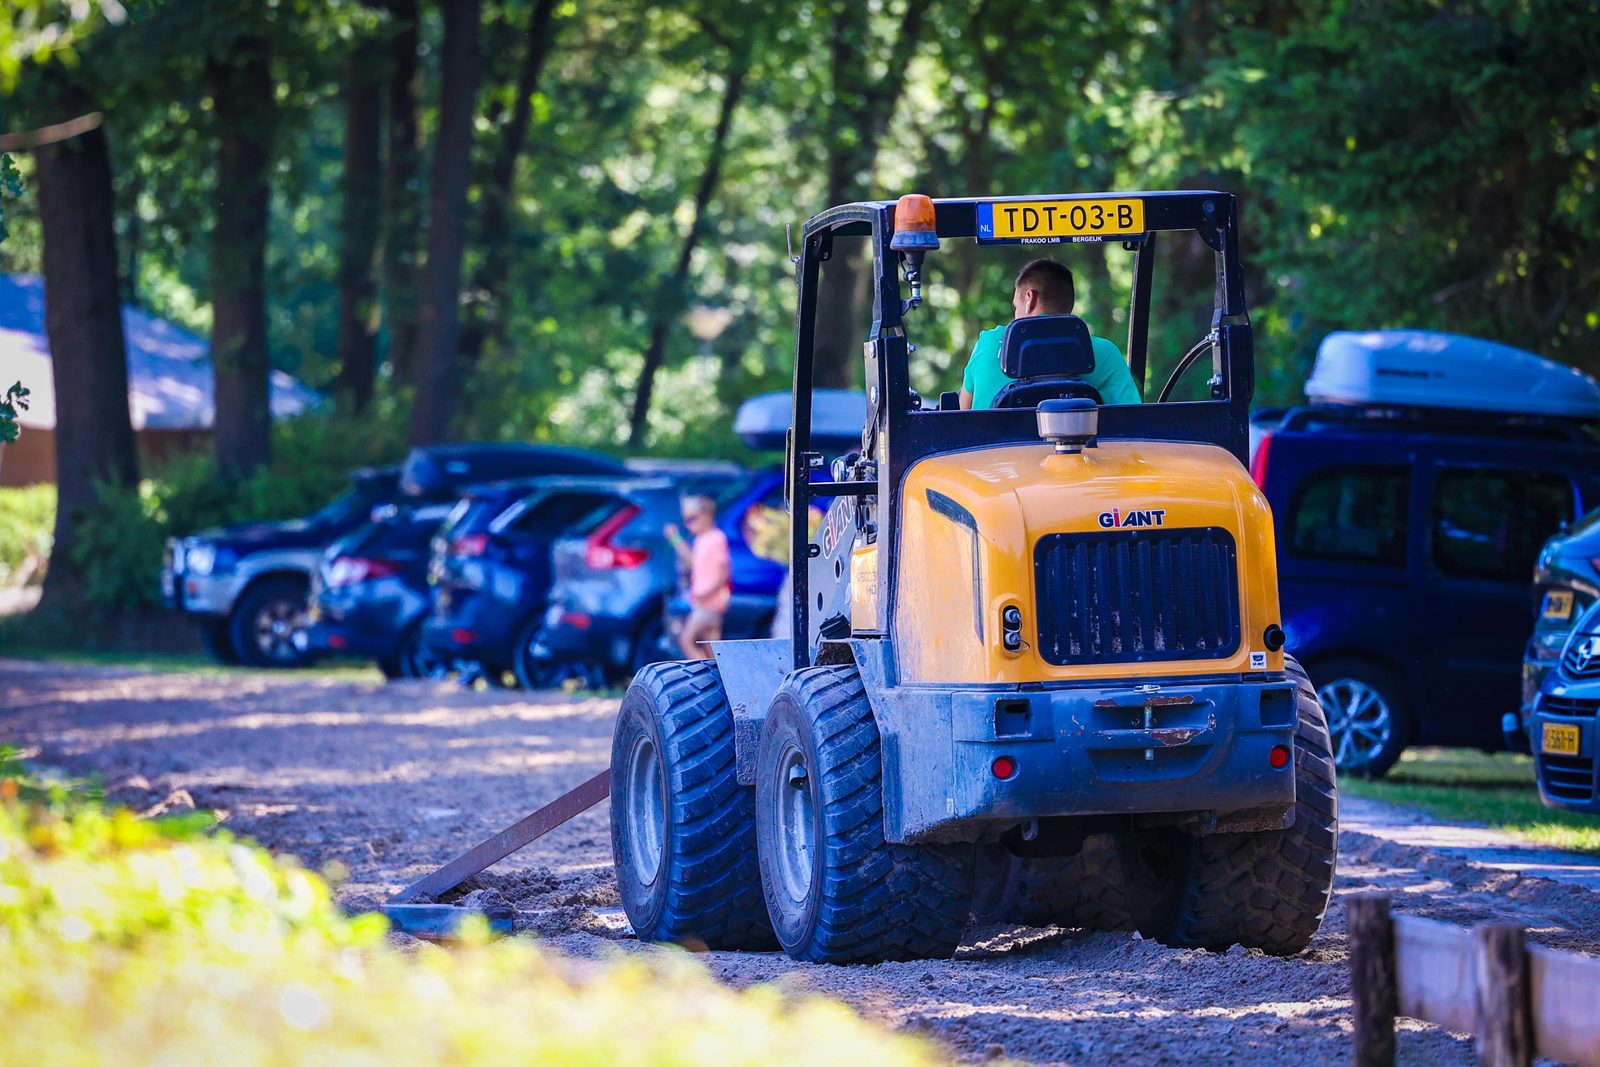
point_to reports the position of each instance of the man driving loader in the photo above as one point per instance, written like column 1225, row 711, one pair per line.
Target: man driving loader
column 1043, row 287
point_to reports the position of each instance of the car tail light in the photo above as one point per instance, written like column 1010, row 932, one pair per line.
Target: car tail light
column 470, row 545
column 348, row 570
column 1258, row 462
column 601, row 555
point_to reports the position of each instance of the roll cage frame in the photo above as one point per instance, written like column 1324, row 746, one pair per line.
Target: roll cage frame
column 899, row 432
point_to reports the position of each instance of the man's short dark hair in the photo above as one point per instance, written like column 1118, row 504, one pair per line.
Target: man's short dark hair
column 1052, row 280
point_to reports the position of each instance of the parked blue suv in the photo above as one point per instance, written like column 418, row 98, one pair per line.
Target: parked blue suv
column 1411, row 497
column 1563, row 722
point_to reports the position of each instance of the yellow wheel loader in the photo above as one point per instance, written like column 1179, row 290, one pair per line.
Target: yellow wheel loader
column 1035, row 670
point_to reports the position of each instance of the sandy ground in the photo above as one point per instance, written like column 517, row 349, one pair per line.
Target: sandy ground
column 380, row 783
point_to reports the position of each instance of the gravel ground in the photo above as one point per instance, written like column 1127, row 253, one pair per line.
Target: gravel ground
column 379, row 783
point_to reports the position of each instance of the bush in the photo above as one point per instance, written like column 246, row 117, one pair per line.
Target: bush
column 128, row 940
column 27, row 526
column 118, row 543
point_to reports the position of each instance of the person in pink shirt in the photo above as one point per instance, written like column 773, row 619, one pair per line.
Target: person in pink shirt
column 710, row 575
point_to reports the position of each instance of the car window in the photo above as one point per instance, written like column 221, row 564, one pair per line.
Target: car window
column 598, row 513
column 341, row 509
column 1491, row 523
column 1356, row 514
column 553, row 514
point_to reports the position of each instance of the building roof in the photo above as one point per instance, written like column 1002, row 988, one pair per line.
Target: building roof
column 1424, row 368
column 170, row 383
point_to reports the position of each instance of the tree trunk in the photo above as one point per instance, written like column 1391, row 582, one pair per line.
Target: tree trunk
column 83, row 318
column 242, row 91
column 433, row 406
column 401, row 196
column 485, row 315
column 669, row 304
column 356, row 350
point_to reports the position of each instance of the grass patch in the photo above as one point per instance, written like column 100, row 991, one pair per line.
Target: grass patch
column 128, row 940
column 1496, row 790
column 27, row 527
column 189, row 663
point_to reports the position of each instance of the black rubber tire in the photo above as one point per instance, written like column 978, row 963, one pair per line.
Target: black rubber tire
column 216, row 637
column 865, row 900
column 1384, row 682
column 415, row 661
column 1085, row 891
column 1267, row 889
column 533, row 672
column 266, row 596
column 706, row 886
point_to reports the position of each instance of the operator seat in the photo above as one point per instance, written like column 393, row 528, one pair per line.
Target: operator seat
column 1047, row 355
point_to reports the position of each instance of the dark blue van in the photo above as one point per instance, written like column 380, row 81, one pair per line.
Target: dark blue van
column 1411, row 498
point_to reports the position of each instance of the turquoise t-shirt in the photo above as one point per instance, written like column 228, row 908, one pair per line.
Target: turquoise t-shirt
column 984, row 378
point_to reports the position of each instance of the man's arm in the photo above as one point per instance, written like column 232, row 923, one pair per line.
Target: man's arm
column 966, row 399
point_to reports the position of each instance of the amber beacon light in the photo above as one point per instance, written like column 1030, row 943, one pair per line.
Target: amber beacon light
column 914, row 229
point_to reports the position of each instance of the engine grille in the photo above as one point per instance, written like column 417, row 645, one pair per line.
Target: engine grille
column 1568, row 777
column 1134, row 596
column 1569, row 706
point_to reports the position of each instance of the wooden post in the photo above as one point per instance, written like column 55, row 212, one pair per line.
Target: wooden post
column 1505, row 1019
column 1373, row 995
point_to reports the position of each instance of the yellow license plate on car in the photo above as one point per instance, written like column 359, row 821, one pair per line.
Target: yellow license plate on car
column 1557, row 604
column 1050, row 221
column 1560, row 740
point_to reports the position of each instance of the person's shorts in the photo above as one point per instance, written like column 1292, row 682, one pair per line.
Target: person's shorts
column 705, row 625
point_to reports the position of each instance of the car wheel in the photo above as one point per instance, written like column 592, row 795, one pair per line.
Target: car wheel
column 417, row 661
column 264, row 622
column 1367, row 719
column 533, row 669
column 647, row 645
column 217, row 639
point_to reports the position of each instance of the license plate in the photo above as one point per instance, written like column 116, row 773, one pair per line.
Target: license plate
column 1560, row 740
column 1054, row 221
column 1557, row 605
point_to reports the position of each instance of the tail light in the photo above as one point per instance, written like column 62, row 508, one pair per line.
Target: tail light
column 348, row 570
column 1258, row 462
column 470, row 545
column 601, row 555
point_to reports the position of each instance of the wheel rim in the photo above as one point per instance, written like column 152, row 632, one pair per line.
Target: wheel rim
column 276, row 624
column 646, row 809
column 796, row 822
column 1360, row 721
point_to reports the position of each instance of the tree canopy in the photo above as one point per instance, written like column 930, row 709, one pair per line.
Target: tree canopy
column 631, row 167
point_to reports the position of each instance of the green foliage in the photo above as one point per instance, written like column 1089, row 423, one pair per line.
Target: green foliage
column 162, row 941
column 118, row 543
column 27, row 525
column 12, row 403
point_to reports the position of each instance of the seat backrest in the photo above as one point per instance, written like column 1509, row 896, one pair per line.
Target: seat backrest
column 1047, row 355
column 1046, row 344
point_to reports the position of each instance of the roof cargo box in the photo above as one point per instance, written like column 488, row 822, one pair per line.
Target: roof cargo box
column 1421, row 368
column 837, row 416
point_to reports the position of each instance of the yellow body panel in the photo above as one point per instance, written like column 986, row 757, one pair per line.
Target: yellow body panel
column 1018, row 493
